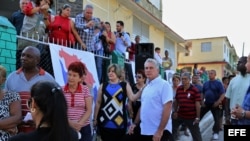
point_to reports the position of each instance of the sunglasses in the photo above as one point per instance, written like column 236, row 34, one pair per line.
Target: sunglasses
column 66, row 6
column 138, row 76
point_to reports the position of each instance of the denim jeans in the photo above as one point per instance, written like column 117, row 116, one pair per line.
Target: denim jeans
column 99, row 63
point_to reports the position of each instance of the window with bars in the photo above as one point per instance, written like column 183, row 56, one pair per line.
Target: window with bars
column 140, row 28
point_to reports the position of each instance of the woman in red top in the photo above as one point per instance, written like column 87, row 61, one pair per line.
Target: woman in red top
column 60, row 27
column 79, row 100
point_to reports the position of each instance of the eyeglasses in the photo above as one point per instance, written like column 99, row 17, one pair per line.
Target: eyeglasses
column 138, row 76
column 28, row 104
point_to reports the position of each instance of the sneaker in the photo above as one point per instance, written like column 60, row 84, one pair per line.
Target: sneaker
column 215, row 136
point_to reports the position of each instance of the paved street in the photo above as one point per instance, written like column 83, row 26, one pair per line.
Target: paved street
column 206, row 126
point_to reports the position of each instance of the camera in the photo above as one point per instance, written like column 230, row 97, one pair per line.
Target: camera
column 120, row 34
column 102, row 37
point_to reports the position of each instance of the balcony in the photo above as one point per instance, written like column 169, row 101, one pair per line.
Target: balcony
column 147, row 5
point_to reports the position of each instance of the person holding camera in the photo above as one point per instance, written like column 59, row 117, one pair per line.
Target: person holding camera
column 122, row 38
column 98, row 41
column 85, row 23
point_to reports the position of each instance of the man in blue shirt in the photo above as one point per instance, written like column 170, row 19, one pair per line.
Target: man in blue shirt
column 214, row 94
column 17, row 17
column 122, row 38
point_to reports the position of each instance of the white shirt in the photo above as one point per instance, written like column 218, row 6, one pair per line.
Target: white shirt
column 237, row 89
column 156, row 93
column 158, row 58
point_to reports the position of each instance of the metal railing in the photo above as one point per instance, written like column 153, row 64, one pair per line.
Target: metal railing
column 43, row 45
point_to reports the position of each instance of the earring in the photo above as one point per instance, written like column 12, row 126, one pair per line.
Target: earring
column 32, row 110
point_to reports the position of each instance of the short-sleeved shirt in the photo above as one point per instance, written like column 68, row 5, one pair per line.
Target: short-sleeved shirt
column 17, row 20
column 199, row 87
column 212, row 90
column 8, row 98
column 155, row 95
column 77, row 102
column 237, row 89
column 186, row 101
column 246, row 107
column 17, row 82
column 167, row 63
column 119, row 44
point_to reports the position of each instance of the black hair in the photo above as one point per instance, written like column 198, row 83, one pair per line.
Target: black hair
column 107, row 23
column 50, row 100
column 231, row 76
column 37, row 2
column 224, row 78
column 157, row 48
column 121, row 23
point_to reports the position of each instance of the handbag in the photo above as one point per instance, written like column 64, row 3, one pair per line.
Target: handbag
column 72, row 39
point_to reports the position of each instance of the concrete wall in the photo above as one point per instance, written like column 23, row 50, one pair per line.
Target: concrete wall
column 196, row 55
column 156, row 36
column 7, row 45
column 112, row 10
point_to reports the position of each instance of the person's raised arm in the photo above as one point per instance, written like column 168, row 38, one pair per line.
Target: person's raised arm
column 133, row 97
column 77, row 36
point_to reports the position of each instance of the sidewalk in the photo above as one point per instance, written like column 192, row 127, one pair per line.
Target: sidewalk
column 204, row 124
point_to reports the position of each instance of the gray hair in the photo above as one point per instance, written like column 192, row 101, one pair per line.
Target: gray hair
column 153, row 61
column 214, row 71
column 186, row 74
column 88, row 6
column 20, row 2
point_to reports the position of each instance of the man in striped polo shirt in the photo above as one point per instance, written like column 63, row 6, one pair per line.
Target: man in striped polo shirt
column 187, row 108
column 22, row 79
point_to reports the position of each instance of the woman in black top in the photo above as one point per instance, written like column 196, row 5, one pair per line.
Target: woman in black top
column 49, row 112
column 133, row 107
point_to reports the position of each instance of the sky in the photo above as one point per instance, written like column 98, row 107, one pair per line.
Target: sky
column 210, row 18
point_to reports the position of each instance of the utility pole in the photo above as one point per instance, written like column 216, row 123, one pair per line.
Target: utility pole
column 243, row 49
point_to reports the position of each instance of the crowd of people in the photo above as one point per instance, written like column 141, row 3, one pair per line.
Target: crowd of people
column 84, row 31
column 156, row 108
